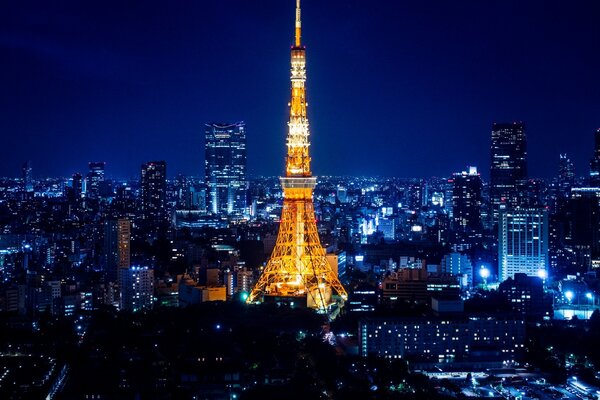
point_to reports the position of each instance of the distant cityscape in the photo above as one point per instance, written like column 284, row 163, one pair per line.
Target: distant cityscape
column 527, row 249
column 230, row 286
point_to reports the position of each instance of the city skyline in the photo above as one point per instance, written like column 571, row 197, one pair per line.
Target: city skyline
column 85, row 83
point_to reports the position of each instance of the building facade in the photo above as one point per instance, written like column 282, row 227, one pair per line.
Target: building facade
column 566, row 174
column 523, row 242
column 508, row 175
column 595, row 161
column 26, row 176
column 117, row 247
column 137, row 288
column 153, row 192
column 434, row 340
column 94, row 179
column 225, row 168
column 526, row 296
column 466, row 200
column 460, row 265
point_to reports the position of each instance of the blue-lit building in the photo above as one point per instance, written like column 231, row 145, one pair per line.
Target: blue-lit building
column 523, row 242
column 466, row 201
column 26, row 176
column 417, row 285
column 508, row 175
column 526, row 296
column 480, row 341
column 581, row 226
column 94, row 179
column 225, row 168
column 566, row 174
column 595, row 161
column 387, row 227
column 154, row 191
column 460, row 265
column 137, row 288
column 362, row 299
column 77, row 185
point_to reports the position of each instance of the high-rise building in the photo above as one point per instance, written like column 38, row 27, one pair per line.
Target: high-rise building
column 26, row 176
column 94, row 178
column 581, row 226
column 137, row 288
column 225, row 168
column 595, row 161
column 153, row 192
column 124, row 243
column 298, row 270
column 77, row 185
column 413, row 196
column 523, row 242
column 117, row 247
column 508, row 175
column 466, row 200
column 566, row 174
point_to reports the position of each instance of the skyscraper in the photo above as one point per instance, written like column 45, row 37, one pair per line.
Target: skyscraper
column 566, row 174
column 117, row 248
column 595, row 161
column 153, row 192
column 26, row 176
column 581, row 226
column 466, row 200
column 298, row 269
column 77, row 185
column 523, row 242
column 225, row 168
column 508, row 175
column 94, row 178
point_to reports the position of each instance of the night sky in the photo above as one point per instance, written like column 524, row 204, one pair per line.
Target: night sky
column 395, row 88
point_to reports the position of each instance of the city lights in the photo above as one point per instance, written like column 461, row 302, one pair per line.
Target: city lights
column 484, row 272
column 542, row 273
column 155, row 245
column 569, row 295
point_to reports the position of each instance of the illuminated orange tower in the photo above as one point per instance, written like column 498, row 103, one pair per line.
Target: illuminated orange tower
column 298, row 267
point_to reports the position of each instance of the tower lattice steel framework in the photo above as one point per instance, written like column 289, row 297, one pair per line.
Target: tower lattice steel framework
column 298, row 267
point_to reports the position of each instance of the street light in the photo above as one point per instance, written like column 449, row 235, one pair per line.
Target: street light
column 484, row 273
column 569, row 295
column 542, row 274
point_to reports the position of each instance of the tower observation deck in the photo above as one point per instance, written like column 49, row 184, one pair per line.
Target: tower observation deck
column 298, row 268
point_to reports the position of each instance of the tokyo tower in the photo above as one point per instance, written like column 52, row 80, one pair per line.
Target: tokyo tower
column 298, row 269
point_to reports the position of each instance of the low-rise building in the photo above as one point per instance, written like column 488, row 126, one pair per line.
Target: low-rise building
column 481, row 341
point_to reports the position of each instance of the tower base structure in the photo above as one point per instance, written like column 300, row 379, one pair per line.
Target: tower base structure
column 298, row 268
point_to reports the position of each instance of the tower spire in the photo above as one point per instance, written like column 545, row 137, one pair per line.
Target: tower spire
column 298, row 268
column 298, row 159
column 298, row 23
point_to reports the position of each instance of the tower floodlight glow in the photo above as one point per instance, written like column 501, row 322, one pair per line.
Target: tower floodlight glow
column 298, row 267
column 589, row 296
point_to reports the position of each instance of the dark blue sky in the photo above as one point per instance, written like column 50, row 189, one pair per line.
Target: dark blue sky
column 397, row 88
